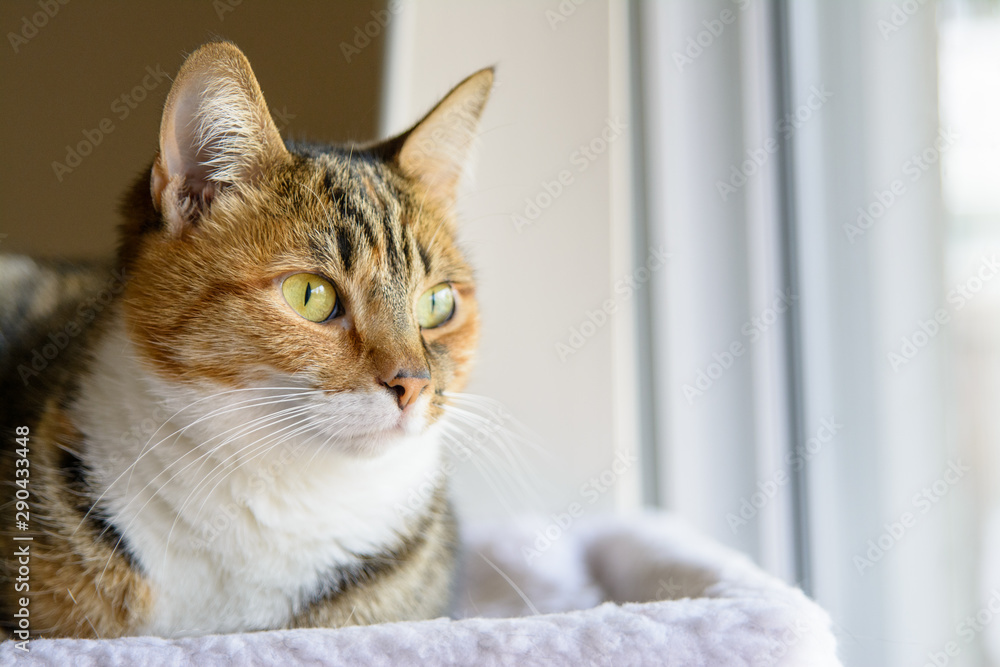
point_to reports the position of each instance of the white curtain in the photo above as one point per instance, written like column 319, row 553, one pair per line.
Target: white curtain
column 868, row 224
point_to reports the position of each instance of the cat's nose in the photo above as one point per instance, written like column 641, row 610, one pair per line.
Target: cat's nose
column 408, row 386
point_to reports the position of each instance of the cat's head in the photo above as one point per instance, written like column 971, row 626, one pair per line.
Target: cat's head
column 335, row 269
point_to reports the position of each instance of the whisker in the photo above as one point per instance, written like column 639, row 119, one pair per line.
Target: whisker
column 262, row 420
column 256, row 447
column 495, row 407
column 495, row 474
column 240, row 405
column 487, row 475
column 259, row 449
column 295, row 413
column 498, row 437
column 131, row 467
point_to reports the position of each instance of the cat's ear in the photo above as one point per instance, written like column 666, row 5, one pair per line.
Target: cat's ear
column 216, row 132
column 435, row 151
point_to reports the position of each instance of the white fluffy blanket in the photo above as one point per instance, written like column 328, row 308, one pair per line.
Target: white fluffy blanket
column 643, row 590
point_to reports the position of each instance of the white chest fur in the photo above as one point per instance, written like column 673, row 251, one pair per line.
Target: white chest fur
column 234, row 515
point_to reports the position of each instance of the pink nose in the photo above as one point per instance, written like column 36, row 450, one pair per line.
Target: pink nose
column 407, row 388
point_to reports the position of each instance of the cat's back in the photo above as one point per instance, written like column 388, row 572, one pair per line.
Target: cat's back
column 46, row 311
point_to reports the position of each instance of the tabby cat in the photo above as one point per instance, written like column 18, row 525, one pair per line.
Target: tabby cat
column 281, row 327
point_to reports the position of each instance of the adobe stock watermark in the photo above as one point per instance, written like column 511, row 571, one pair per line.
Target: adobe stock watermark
column 912, row 170
column 263, row 478
column 139, row 433
column 580, row 160
column 922, row 501
column 668, row 590
column 562, row 12
column 363, row 35
column 791, row 636
column 121, row 108
column 966, row 629
column 752, row 330
column 223, row 7
column 784, row 127
column 697, row 44
column 767, row 489
column 624, row 288
column 590, row 492
column 899, row 16
column 928, row 329
column 225, row 514
column 30, row 25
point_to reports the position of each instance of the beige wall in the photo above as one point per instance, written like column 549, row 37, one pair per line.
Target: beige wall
column 64, row 80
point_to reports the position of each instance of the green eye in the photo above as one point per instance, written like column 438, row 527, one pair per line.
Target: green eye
column 436, row 306
column 310, row 296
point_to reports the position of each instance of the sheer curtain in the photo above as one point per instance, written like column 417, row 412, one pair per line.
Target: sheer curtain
column 816, row 116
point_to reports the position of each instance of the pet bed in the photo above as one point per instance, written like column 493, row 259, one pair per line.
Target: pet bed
column 640, row 590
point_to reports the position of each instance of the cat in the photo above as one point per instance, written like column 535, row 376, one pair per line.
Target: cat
column 282, row 326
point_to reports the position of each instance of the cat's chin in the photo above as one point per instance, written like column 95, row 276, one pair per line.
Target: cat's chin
column 395, row 430
column 376, row 443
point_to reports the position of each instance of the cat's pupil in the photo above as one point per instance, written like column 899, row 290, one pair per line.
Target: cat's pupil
column 309, row 289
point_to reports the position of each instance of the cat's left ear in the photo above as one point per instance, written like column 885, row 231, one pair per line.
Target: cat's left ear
column 216, row 132
column 435, row 151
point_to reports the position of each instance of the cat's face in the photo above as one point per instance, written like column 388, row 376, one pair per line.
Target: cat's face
column 327, row 269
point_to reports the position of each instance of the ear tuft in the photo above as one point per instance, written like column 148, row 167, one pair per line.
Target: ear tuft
column 216, row 132
column 435, row 151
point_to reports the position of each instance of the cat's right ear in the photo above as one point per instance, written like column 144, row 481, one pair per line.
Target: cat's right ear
column 216, row 133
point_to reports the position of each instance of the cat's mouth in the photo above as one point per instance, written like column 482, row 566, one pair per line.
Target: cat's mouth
column 409, row 422
column 370, row 420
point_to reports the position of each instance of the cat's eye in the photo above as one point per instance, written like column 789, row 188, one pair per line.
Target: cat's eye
column 310, row 296
column 436, row 306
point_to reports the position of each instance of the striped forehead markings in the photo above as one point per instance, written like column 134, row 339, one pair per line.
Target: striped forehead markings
column 345, row 247
column 357, row 208
column 351, row 216
column 425, row 258
column 392, row 250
